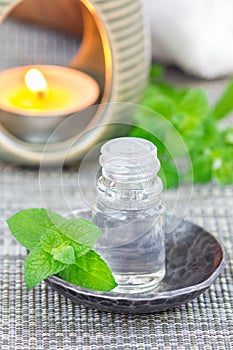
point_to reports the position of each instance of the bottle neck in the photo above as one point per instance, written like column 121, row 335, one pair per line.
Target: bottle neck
column 130, row 196
column 128, row 178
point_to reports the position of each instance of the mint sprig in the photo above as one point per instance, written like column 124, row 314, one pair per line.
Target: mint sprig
column 188, row 110
column 60, row 246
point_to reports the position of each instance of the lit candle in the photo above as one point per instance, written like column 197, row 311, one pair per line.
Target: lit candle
column 36, row 82
column 46, row 90
column 41, row 92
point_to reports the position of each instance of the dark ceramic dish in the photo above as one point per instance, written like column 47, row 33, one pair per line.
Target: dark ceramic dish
column 194, row 259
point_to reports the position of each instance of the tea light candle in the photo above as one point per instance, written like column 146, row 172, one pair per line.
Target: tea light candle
column 38, row 98
column 46, row 90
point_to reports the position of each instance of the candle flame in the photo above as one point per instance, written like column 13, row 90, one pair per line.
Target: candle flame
column 35, row 81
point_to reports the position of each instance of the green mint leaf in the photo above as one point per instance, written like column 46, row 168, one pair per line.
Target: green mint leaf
column 211, row 135
column 195, row 103
column 202, row 165
column 64, row 254
column 39, row 265
column 161, row 104
column 81, row 231
column 90, row 271
column 223, row 165
column 79, row 249
column 28, row 225
column 191, row 111
column 156, row 71
column 61, row 247
column 174, row 93
column 50, row 239
column 228, row 136
column 224, row 105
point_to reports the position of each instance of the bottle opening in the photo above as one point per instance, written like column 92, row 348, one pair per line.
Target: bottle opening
column 130, row 160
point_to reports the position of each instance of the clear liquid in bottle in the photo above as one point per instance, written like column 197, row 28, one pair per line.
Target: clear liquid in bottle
column 130, row 213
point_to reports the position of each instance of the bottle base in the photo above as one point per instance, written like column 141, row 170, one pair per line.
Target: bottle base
column 130, row 283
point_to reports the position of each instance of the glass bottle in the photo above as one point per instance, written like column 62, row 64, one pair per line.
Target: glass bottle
column 130, row 212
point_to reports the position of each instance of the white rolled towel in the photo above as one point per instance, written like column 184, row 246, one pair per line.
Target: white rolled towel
column 195, row 35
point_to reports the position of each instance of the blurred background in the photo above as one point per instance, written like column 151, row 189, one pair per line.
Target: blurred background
column 190, row 69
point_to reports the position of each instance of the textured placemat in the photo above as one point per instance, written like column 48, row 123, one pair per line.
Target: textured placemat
column 40, row 319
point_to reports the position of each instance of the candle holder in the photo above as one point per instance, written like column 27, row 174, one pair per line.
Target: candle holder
column 115, row 52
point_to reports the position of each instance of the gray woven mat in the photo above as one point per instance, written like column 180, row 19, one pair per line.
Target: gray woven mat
column 41, row 319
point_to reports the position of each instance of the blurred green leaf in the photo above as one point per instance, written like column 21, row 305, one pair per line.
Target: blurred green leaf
column 223, row 165
column 161, row 104
column 168, row 173
column 228, row 136
column 224, row 105
column 174, row 93
column 202, row 166
column 193, row 109
column 189, row 112
column 157, row 71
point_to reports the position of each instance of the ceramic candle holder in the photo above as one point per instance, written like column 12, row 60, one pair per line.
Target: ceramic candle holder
column 115, row 51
